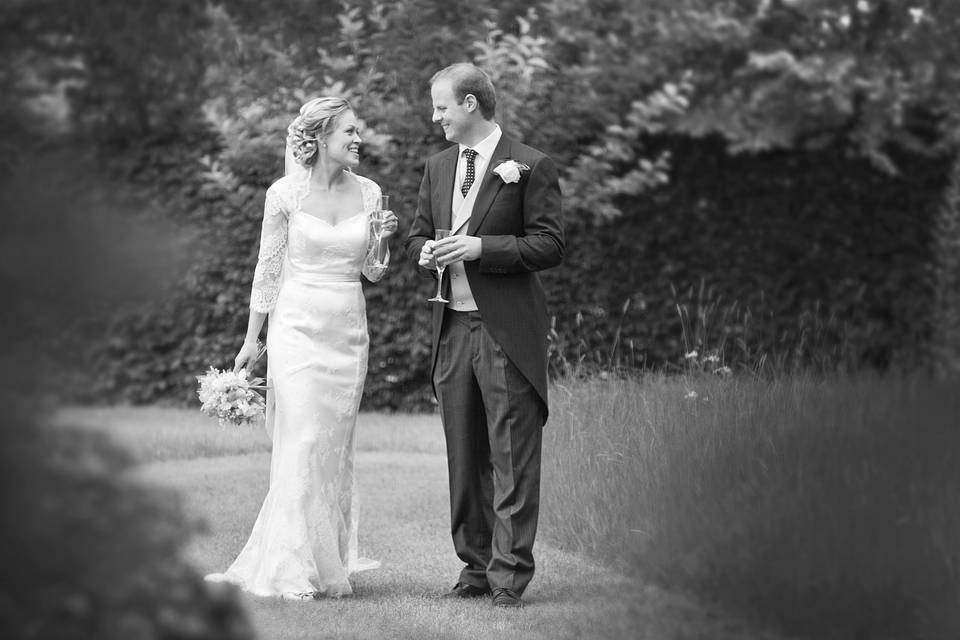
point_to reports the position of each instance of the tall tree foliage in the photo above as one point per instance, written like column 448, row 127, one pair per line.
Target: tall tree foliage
column 134, row 68
column 805, row 75
column 617, row 91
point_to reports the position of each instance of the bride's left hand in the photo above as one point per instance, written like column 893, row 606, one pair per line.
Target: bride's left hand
column 389, row 225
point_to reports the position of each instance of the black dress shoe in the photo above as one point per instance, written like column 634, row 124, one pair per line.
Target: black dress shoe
column 506, row 598
column 464, row 590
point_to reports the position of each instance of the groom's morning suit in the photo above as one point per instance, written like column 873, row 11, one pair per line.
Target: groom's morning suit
column 489, row 367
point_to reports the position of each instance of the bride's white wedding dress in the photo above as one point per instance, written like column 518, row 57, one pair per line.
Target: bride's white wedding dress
column 304, row 542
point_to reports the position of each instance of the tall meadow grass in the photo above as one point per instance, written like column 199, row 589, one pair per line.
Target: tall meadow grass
column 827, row 507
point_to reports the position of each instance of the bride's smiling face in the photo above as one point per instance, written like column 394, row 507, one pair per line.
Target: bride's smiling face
column 343, row 143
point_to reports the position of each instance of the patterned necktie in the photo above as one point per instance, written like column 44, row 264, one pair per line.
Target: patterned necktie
column 471, row 171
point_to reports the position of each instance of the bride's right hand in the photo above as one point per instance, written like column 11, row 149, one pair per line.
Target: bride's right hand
column 246, row 356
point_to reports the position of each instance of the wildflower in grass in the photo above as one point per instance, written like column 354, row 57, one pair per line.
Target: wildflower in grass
column 692, row 355
column 691, row 394
column 723, row 371
column 712, row 358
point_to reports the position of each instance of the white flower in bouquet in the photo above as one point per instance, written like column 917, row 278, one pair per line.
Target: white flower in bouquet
column 230, row 396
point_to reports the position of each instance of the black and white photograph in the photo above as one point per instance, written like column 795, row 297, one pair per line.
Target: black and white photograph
column 448, row 319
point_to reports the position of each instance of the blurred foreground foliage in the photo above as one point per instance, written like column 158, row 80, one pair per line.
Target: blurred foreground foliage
column 760, row 178
column 88, row 554
column 86, row 551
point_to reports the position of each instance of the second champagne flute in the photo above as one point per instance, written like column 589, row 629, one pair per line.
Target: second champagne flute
column 440, row 234
column 376, row 220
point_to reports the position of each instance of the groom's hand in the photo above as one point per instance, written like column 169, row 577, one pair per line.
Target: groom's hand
column 426, row 256
column 457, row 248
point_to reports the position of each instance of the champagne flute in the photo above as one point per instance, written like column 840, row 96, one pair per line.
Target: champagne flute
column 440, row 234
column 376, row 221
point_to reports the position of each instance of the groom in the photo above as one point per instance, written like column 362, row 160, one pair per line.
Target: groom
column 501, row 199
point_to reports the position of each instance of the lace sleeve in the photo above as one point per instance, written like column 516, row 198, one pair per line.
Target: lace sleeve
column 273, row 251
column 373, row 270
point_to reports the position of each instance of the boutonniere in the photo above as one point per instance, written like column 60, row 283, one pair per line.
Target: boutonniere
column 510, row 170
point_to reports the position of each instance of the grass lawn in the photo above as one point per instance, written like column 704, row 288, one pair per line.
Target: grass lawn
column 222, row 478
column 163, row 433
column 823, row 506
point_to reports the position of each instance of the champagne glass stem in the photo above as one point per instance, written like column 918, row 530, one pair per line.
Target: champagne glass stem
column 377, row 222
column 439, row 234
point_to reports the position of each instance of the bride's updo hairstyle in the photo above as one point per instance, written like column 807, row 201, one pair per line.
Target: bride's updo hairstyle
column 317, row 118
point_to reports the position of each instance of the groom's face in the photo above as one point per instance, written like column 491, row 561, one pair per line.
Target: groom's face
column 453, row 116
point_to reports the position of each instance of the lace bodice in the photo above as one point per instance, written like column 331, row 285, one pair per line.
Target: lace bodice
column 285, row 247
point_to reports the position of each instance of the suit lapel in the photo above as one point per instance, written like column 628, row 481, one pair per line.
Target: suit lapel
column 443, row 191
column 489, row 186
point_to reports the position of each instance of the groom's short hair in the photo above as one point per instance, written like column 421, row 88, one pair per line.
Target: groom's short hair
column 466, row 78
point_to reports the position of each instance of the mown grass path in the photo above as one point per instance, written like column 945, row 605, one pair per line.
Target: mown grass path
column 404, row 523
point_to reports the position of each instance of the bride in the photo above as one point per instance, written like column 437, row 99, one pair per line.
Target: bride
column 315, row 243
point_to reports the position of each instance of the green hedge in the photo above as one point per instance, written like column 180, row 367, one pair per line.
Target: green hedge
column 808, row 259
column 812, row 259
column 770, row 243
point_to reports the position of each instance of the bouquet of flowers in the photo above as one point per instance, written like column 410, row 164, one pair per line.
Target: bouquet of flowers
column 230, row 396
